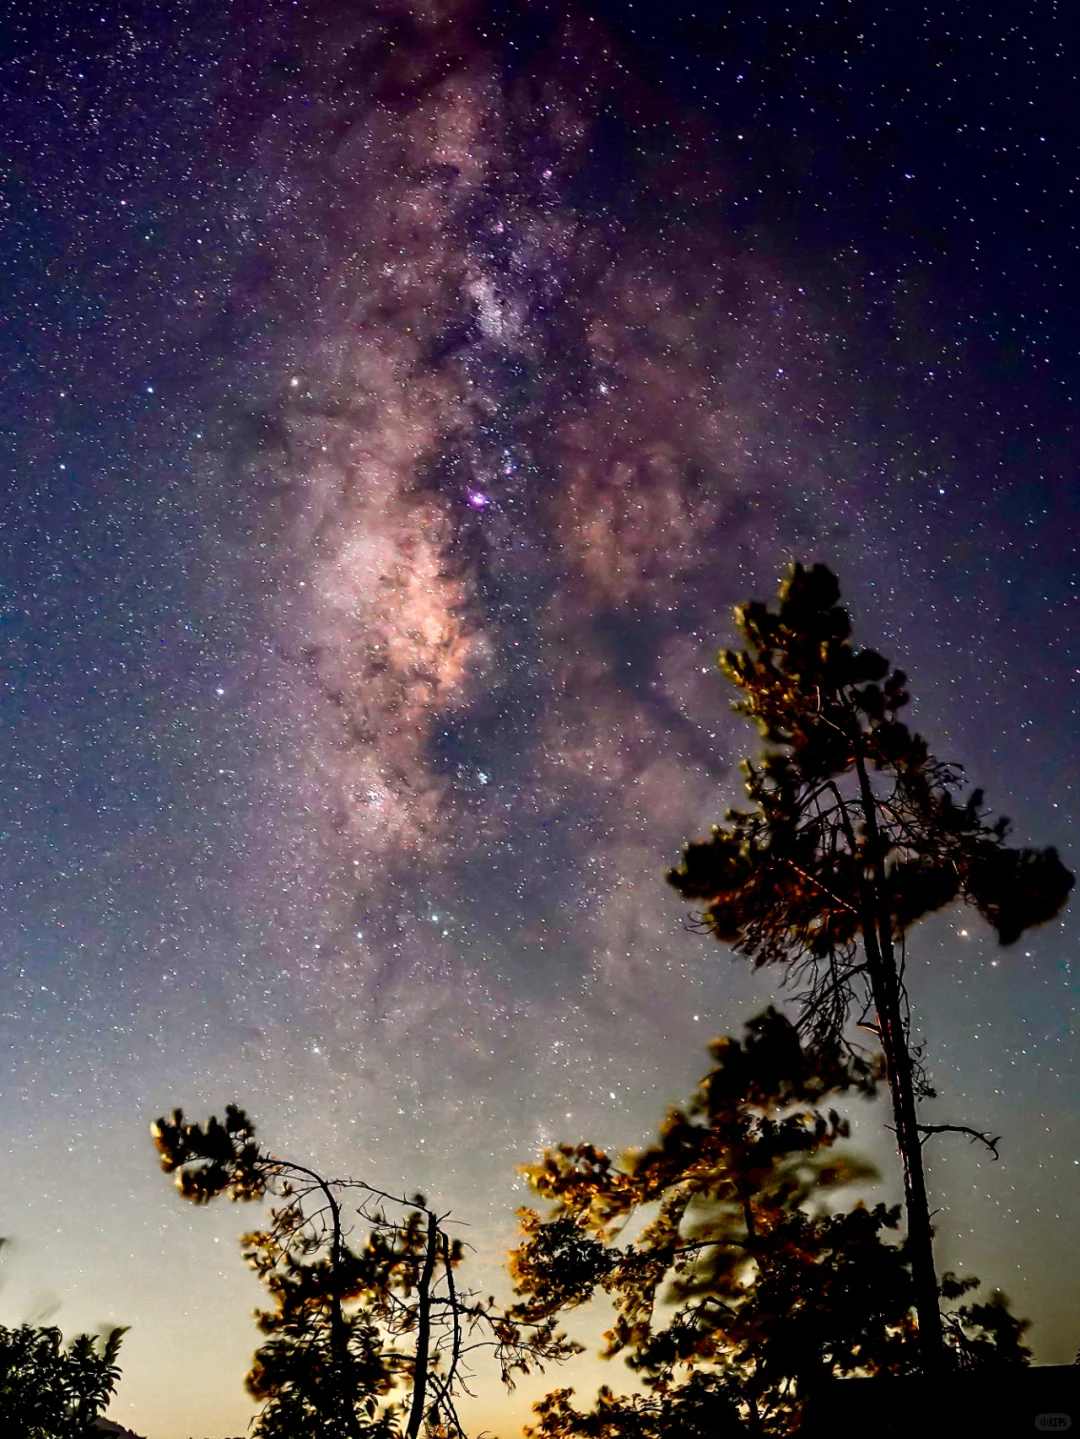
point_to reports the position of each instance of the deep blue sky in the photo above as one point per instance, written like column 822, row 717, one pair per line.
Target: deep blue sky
column 393, row 410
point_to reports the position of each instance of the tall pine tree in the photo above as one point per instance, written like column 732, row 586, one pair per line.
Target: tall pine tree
column 856, row 831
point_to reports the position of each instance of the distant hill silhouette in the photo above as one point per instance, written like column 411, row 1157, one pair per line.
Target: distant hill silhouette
column 114, row 1430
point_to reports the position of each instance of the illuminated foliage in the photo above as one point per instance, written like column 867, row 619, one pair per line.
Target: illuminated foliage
column 856, row 832
column 363, row 1341
column 736, row 1288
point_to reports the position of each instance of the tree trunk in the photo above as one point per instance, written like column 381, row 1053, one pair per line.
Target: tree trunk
column 339, row 1332
column 885, row 990
column 902, row 1090
column 423, row 1331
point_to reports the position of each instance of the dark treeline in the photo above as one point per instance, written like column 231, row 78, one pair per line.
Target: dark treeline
column 739, row 1280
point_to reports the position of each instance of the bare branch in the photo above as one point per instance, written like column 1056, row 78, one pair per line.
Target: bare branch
column 973, row 1134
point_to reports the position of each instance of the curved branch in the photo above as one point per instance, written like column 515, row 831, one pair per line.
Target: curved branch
column 973, row 1134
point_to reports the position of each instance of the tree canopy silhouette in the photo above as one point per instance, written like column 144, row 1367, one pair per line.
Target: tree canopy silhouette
column 856, row 832
column 49, row 1390
column 367, row 1341
column 740, row 1289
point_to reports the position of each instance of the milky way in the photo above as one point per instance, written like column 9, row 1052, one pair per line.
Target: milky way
column 528, row 447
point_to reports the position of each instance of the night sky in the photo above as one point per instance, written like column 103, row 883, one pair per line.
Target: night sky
column 397, row 398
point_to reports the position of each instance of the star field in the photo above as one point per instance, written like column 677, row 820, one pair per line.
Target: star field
column 399, row 397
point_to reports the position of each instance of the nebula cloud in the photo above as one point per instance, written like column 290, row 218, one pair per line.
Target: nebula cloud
column 542, row 421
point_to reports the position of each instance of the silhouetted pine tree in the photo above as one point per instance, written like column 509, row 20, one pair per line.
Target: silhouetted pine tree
column 856, row 832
